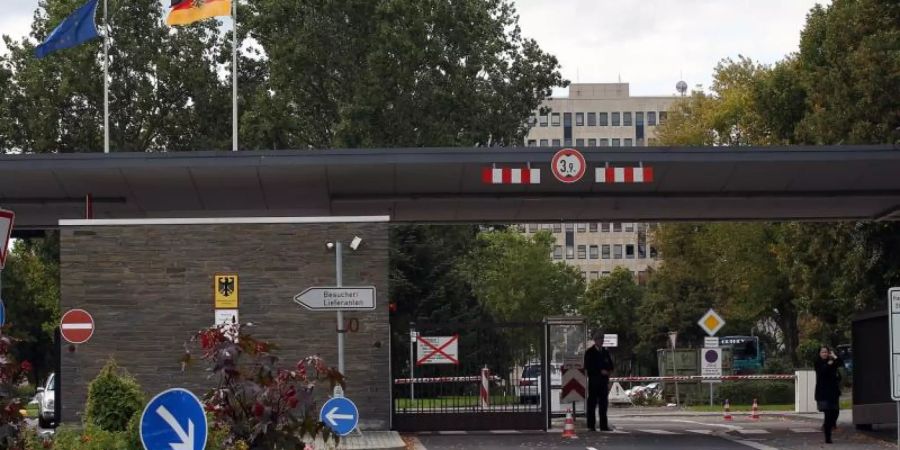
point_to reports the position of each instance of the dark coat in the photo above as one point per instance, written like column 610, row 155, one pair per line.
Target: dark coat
column 828, row 380
column 596, row 360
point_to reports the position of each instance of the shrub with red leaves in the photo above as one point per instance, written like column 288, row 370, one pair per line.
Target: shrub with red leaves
column 260, row 403
column 12, row 374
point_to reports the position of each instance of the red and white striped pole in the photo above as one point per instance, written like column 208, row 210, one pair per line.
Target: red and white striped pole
column 484, row 391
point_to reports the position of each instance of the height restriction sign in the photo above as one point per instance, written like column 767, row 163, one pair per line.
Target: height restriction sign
column 568, row 165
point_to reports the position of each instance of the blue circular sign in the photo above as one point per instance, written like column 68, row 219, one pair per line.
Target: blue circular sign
column 2, row 313
column 174, row 419
column 340, row 414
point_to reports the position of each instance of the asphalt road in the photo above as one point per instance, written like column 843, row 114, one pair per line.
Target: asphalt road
column 694, row 433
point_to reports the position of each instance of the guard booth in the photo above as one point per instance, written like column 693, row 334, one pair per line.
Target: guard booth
column 481, row 375
column 871, row 371
column 567, row 339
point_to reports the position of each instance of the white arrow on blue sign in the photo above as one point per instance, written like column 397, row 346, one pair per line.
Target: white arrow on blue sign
column 340, row 414
column 174, row 420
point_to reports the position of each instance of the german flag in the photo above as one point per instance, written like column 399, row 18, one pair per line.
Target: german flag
column 185, row 12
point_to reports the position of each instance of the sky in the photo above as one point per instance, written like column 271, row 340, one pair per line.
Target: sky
column 650, row 44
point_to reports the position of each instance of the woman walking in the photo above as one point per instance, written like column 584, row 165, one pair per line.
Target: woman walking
column 828, row 388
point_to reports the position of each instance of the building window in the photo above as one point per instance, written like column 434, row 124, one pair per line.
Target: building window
column 629, row 251
column 579, row 119
column 532, row 227
column 556, row 142
column 595, row 275
column 605, row 249
column 592, row 119
column 615, row 119
column 604, row 142
column 582, row 227
column 532, row 143
column 626, row 119
column 544, row 143
column 582, row 252
column 616, row 142
column 617, row 227
column 651, row 118
column 567, row 119
column 617, row 251
column 605, row 273
column 653, row 253
column 593, row 227
column 567, row 142
column 545, row 226
column 642, row 251
column 629, row 227
column 542, row 121
column 532, row 121
column 662, row 117
column 639, row 118
column 595, row 252
column 557, row 228
column 604, row 119
column 604, row 227
column 579, row 142
column 628, row 142
column 557, row 252
column 592, row 142
column 570, row 227
column 554, row 119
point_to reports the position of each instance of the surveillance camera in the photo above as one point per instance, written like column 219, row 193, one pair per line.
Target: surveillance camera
column 354, row 244
column 329, row 245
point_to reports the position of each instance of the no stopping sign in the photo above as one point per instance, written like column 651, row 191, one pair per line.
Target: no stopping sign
column 568, row 165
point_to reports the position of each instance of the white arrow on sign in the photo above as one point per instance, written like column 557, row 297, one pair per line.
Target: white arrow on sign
column 331, row 416
column 187, row 438
column 337, row 298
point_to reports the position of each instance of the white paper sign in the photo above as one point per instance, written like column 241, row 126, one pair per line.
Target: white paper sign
column 711, row 363
column 610, row 340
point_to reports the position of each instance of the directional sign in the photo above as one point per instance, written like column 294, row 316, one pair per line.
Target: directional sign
column 711, row 363
column 340, row 414
column 76, row 326
column 711, row 322
column 174, row 420
column 568, row 165
column 7, row 218
column 894, row 320
column 337, row 298
column 438, row 349
column 574, row 382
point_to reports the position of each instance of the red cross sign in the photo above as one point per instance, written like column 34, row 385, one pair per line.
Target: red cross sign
column 438, row 349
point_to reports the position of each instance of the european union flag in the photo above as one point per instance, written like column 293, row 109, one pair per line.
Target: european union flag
column 75, row 29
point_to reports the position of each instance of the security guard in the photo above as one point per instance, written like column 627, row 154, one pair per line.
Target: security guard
column 599, row 365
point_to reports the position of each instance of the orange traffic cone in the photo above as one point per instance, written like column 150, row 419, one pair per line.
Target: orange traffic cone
column 754, row 414
column 569, row 428
column 727, row 416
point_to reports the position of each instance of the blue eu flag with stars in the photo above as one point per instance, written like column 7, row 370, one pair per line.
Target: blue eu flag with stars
column 78, row 28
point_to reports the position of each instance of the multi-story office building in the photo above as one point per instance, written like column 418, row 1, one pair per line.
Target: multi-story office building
column 600, row 115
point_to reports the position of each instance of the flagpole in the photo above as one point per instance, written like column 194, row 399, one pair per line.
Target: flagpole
column 234, row 79
column 105, row 77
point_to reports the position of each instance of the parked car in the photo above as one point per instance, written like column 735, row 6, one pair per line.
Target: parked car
column 46, row 398
column 529, row 387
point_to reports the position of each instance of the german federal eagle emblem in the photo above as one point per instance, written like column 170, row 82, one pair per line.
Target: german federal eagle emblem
column 226, row 286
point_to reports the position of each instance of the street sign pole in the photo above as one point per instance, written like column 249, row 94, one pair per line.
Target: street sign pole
column 412, row 363
column 339, row 269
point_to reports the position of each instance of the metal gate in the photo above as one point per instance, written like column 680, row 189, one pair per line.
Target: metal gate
column 495, row 379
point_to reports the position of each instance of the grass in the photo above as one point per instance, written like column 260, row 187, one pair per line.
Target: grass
column 452, row 401
column 32, row 411
column 742, row 408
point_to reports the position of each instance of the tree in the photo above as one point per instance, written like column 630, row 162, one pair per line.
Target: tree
column 373, row 73
column 611, row 304
column 513, row 276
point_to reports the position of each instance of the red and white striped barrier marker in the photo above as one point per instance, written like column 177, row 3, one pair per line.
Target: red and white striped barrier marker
column 426, row 380
column 485, row 388
column 524, row 175
column 627, row 175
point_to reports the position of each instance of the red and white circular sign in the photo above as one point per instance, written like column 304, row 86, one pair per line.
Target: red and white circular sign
column 77, row 326
column 568, row 165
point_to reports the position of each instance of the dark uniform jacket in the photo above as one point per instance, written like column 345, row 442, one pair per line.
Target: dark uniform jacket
column 596, row 360
column 828, row 380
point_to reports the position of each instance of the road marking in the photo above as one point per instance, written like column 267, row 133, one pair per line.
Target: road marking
column 657, row 431
column 727, row 427
column 505, row 431
column 591, row 448
column 753, row 431
column 452, row 432
column 805, row 430
column 752, row 444
column 700, row 431
column 616, row 431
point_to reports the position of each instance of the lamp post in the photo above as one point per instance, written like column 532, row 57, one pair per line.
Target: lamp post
column 339, row 279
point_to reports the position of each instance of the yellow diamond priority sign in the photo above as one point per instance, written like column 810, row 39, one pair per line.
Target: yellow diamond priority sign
column 711, row 322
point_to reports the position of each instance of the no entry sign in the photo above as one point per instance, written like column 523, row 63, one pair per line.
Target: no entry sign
column 77, row 326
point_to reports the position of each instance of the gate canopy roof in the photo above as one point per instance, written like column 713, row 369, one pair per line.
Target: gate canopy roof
column 446, row 185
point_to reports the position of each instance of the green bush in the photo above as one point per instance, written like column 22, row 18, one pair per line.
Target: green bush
column 766, row 392
column 114, row 397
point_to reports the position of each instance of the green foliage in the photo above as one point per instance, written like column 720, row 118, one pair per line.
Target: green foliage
column 764, row 391
column 513, row 276
column 12, row 374
column 611, row 305
column 114, row 398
